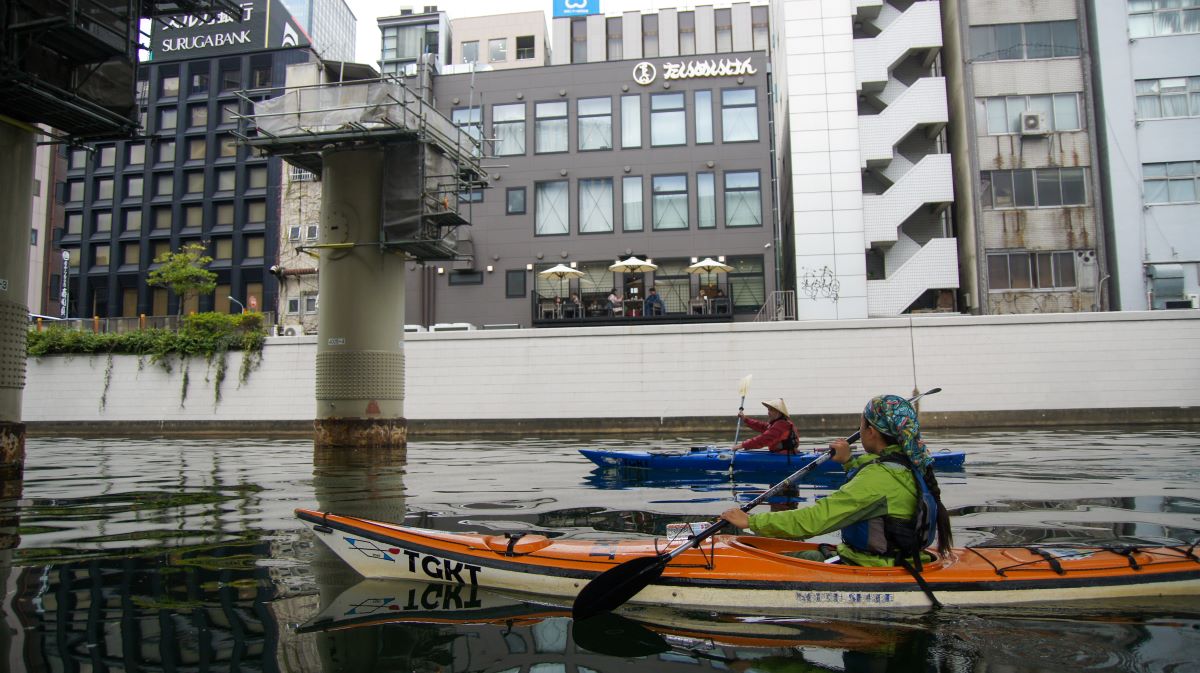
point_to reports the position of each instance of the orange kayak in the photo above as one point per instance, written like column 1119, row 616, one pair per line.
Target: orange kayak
column 752, row 573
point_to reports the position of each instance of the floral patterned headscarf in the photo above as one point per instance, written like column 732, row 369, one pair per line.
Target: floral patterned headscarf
column 895, row 417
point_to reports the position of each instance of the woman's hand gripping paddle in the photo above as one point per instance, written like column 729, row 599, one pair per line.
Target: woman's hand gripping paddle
column 613, row 587
column 743, row 388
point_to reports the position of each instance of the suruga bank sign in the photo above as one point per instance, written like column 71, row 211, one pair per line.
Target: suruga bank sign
column 260, row 24
column 645, row 72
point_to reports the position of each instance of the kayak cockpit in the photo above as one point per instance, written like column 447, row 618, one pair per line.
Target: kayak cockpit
column 777, row 547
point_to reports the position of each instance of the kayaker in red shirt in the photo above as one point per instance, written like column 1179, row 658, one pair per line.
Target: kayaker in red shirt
column 777, row 432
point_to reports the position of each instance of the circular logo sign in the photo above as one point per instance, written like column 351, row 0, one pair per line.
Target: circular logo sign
column 644, row 73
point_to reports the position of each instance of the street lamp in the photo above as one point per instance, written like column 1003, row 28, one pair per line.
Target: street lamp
column 243, row 306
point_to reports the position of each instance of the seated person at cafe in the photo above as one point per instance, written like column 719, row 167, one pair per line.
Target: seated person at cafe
column 616, row 303
column 571, row 307
column 654, row 303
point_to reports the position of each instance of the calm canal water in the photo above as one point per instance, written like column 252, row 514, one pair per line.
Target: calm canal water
column 174, row 555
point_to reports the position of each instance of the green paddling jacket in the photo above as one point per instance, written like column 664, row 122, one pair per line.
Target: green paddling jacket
column 876, row 490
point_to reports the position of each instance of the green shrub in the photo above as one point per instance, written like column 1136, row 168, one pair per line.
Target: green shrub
column 202, row 334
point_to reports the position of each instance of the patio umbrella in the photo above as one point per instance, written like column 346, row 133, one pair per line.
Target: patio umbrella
column 633, row 265
column 708, row 266
column 560, row 271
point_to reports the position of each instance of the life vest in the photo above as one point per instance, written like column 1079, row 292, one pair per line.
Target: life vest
column 892, row 536
column 790, row 443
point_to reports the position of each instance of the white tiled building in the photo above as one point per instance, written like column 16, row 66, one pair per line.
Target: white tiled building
column 870, row 178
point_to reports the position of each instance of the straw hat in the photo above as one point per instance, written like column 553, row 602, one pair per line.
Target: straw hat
column 777, row 405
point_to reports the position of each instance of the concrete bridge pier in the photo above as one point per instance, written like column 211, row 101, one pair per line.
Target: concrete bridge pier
column 16, row 203
column 360, row 346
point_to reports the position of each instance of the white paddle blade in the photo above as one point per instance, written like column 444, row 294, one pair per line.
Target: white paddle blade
column 744, row 384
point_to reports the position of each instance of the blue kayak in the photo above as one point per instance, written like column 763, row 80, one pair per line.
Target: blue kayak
column 711, row 458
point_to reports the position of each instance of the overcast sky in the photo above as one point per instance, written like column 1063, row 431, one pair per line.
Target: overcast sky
column 367, row 11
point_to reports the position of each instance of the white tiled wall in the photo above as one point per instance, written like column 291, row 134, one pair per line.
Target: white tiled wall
column 985, row 363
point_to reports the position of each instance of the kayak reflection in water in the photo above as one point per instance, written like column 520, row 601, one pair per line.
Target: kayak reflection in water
column 890, row 505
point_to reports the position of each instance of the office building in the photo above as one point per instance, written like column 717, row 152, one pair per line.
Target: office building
column 329, row 25
column 1147, row 83
column 1029, row 194
column 864, row 150
column 188, row 179
column 500, row 42
column 409, row 35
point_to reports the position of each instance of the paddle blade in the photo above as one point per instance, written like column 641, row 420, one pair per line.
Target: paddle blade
column 616, row 585
column 744, row 385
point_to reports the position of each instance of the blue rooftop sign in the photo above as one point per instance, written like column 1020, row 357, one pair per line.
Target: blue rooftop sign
column 576, row 7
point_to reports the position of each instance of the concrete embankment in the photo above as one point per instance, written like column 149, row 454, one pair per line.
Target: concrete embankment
column 1108, row 368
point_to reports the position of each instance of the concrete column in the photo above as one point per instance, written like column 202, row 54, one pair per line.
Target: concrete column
column 16, row 186
column 360, row 345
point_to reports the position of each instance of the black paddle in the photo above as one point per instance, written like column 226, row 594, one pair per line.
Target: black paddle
column 613, row 587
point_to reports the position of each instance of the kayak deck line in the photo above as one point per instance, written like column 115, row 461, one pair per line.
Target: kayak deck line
column 753, row 573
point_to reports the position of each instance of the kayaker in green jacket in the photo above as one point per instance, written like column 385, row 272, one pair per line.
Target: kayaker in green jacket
column 880, row 495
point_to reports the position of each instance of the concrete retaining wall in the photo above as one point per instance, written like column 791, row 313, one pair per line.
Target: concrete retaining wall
column 1127, row 367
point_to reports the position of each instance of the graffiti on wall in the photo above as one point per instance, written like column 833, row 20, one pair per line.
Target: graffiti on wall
column 818, row 283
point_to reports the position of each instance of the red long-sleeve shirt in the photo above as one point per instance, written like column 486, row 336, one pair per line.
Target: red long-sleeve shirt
column 772, row 433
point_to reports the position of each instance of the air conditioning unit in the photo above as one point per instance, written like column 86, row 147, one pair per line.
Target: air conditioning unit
column 1034, row 124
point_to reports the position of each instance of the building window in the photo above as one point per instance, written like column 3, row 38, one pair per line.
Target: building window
column 74, row 191
column 470, row 51
column 231, row 78
column 74, row 225
column 193, row 217
column 1024, row 41
column 669, row 202
column 137, row 154
column 100, row 256
column 224, row 217
column 164, row 184
column 470, row 195
column 723, row 18
column 254, row 246
column 133, row 220
column 133, row 187
column 514, row 283
column 195, row 183
column 260, row 77
column 223, row 249
column 131, row 255
column 649, row 35
column 514, row 201
column 293, row 306
column 226, row 179
column 103, row 222
column 196, row 149
column 704, row 122
column 631, row 121
column 508, row 127
column 229, row 114
column 1002, row 114
column 294, row 233
column 579, row 40
column 256, row 212
column 167, row 119
column 33, row 237
column 104, row 189
column 162, row 219
column 311, row 231
column 631, row 203
column 743, row 199
column 550, row 127
column 760, row 21
column 108, row 156
column 198, row 116
column 309, row 302
column 739, row 115
column 168, row 85
column 1173, row 182
column 595, row 205
column 498, row 50
column 1148, row 18
column 199, row 82
column 526, row 47
column 551, row 212
column 668, row 119
column 613, row 30
column 687, row 33
column 466, row 278
column 594, row 116
column 256, row 177
column 1033, row 188
column 77, row 159
column 706, row 201
column 226, row 146
column 166, row 151
column 1169, row 97
column 1030, row 270
column 747, row 282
